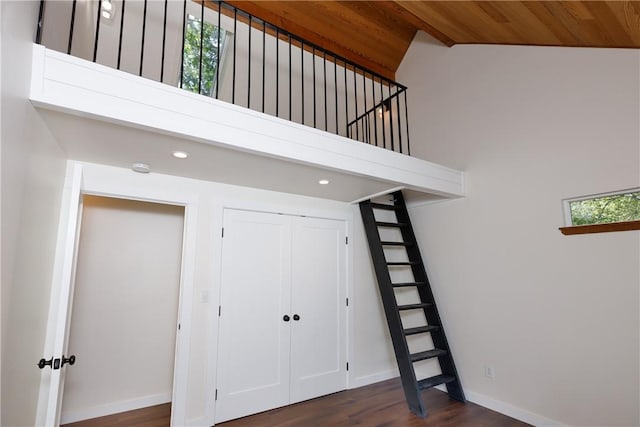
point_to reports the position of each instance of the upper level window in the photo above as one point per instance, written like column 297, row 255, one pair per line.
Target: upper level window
column 193, row 78
column 605, row 208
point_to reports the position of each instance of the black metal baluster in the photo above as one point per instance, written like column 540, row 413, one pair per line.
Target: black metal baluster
column 164, row 36
column 95, row 43
column 335, row 87
column 364, row 88
column 249, row 64
column 264, row 34
column 218, row 50
column 289, row 76
column 144, row 25
column 302, row 76
column 324, row 63
column 201, row 45
column 120, row 36
column 73, row 20
column 40, row 18
column 406, row 121
column 355, row 95
column 184, row 23
column 277, row 70
column 382, row 107
column 375, row 110
column 397, row 95
column 390, row 119
column 314, row 87
column 346, row 102
column 235, row 33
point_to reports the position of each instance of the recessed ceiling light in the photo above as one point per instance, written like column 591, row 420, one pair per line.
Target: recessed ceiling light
column 180, row 155
column 141, row 167
column 323, row 182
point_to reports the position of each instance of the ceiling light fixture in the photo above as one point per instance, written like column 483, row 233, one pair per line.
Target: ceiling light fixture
column 140, row 168
column 385, row 105
column 180, row 155
column 323, row 182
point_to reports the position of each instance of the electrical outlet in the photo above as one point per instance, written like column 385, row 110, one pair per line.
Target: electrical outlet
column 489, row 372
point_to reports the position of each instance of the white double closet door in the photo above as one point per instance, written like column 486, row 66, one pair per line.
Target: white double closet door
column 282, row 336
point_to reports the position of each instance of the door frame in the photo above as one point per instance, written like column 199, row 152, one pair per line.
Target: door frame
column 123, row 189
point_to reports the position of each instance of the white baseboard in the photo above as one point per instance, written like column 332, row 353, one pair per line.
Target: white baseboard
column 510, row 410
column 373, row 378
column 115, row 408
column 477, row 398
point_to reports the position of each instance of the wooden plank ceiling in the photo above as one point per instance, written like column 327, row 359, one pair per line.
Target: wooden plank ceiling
column 377, row 34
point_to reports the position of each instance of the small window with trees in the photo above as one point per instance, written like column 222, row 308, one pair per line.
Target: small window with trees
column 615, row 211
column 203, row 51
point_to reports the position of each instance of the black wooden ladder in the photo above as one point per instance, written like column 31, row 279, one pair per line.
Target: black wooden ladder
column 411, row 384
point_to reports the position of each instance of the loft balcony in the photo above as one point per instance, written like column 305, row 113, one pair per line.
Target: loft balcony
column 252, row 104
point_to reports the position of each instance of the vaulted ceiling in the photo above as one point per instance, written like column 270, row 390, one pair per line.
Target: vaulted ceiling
column 377, row 34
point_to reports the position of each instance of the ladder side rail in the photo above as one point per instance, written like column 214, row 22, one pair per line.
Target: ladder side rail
column 439, row 338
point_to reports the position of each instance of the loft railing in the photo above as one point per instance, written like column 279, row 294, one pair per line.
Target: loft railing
column 217, row 50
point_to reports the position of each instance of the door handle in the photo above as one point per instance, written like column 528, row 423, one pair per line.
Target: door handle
column 56, row 363
column 286, row 318
column 71, row 360
column 296, row 317
column 42, row 363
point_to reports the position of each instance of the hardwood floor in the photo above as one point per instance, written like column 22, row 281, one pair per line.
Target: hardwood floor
column 377, row 405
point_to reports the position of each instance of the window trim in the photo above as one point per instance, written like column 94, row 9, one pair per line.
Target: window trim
column 571, row 229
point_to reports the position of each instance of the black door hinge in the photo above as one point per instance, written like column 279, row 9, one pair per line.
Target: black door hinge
column 347, row 366
column 347, row 302
column 216, row 398
column 223, row 232
column 346, row 240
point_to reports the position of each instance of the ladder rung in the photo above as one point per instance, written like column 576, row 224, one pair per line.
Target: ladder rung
column 414, row 306
column 384, row 206
column 404, row 285
column 404, row 263
column 434, row 381
column 423, row 355
column 420, row 329
column 390, row 224
column 386, row 243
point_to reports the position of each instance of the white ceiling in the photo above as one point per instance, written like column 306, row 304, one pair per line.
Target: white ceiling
column 101, row 142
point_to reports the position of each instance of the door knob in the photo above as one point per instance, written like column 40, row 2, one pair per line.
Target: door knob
column 296, row 317
column 286, row 318
column 71, row 360
column 42, row 363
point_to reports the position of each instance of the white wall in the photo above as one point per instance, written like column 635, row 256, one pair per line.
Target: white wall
column 557, row 317
column 125, row 306
column 32, row 178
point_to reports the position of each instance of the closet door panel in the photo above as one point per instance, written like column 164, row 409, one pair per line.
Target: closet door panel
column 318, row 347
column 254, row 340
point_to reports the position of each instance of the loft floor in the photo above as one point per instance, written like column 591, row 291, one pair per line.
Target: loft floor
column 106, row 116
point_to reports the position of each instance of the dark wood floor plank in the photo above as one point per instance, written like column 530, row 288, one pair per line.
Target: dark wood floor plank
column 377, row 405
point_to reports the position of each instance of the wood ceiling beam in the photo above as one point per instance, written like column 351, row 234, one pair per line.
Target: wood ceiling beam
column 403, row 9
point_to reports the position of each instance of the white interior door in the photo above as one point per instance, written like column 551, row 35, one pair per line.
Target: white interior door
column 254, row 338
column 64, row 278
column 318, row 342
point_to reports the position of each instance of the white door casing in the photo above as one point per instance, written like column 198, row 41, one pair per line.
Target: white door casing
column 64, row 275
column 275, row 265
